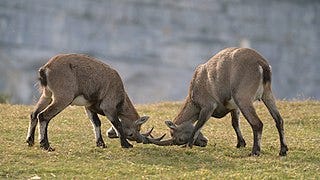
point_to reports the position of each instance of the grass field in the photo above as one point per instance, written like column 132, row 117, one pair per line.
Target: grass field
column 76, row 156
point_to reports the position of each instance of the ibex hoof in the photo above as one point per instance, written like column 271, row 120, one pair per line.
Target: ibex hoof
column 47, row 147
column 126, row 144
column 184, row 146
column 101, row 144
column 30, row 142
column 241, row 144
column 254, row 154
column 201, row 142
column 50, row 149
column 112, row 133
column 189, row 145
column 283, row 151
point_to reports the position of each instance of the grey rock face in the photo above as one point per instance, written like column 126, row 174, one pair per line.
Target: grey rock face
column 156, row 45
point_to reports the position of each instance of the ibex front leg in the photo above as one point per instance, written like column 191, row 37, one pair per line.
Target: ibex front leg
column 112, row 114
column 118, row 126
column 204, row 115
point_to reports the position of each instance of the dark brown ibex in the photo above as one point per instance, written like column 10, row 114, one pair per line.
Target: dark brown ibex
column 229, row 82
column 75, row 79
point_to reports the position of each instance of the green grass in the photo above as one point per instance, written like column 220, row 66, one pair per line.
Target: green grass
column 76, row 156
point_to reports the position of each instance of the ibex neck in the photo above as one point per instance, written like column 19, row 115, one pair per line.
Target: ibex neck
column 128, row 111
column 188, row 112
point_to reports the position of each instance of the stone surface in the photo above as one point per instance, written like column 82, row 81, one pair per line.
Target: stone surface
column 156, row 45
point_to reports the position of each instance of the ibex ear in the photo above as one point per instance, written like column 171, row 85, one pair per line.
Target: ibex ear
column 142, row 120
column 171, row 125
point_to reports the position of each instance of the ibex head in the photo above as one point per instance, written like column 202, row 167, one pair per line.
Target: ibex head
column 180, row 135
column 132, row 130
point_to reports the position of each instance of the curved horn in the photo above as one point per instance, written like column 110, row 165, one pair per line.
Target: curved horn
column 159, row 138
column 168, row 142
column 148, row 133
column 151, row 139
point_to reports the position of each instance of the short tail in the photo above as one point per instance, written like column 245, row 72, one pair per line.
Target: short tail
column 43, row 76
column 266, row 71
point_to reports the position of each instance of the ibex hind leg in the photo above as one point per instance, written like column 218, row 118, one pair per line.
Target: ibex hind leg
column 248, row 111
column 236, row 126
column 97, row 127
column 269, row 101
column 43, row 102
column 57, row 105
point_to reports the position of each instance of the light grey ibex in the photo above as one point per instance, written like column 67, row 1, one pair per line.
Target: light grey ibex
column 230, row 81
column 75, row 79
